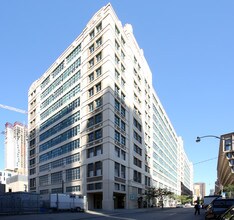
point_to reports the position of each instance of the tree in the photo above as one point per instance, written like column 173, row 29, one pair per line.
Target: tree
column 184, row 199
column 160, row 193
column 229, row 190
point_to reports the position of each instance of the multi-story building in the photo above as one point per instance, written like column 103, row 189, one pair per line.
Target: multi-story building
column 4, row 175
column 225, row 165
column 199, row 190
column 96, row 125
column 16, row 148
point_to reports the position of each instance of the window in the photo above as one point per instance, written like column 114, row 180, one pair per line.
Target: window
column 137, row 176
column 91, row 48
column 44, row 180
column 95, row 135
column 98, row 168
column 94, row 120
column 117, row 169
column 123, row 155
column 99, row 71
column 98, row 87
column 117, row 74
column 56, row 177
column 94, row 169
column 99, row 27
column 73, row 174
column 117, row 186
column 91, row 107
column 123, row 82
column 228, row 145
column 98, row 102
column 122, row 68
column 122, row 111
column 137, row 137
column 123, row 171
column 91, row 77
column 99, row 57
column 116, row 60
column 71, row 189
column 123, row 125
column 122, row 41
column 120, row 170
column 90, row 152
column 116, row 45
column 117, row 30
column 91, row 63
column 122, row 55
column 137, row 149
column 117, row 120
column 92, row 34
column 91, row 92
column 117, row 151
column 117, row 136
column 90, row 170
column 136, row 162
column 136, row 124
column 99, row 42
column 117, row 90
column 117, row 105
column 123, row 140
column 122, row 96
column 94, row 186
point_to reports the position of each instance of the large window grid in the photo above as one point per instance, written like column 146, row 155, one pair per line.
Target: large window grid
column 60, row 126
column 60, row 138
column 74, row 53
column 62, row 78
column 73, row 174
column 58, row 69
column 44, row 180
column 66, row 110
column 56, row 177
column 71, row 94
column 65, row 86
column 71, row 189
column 58, row 163
column 71, row 68
column 60, row 151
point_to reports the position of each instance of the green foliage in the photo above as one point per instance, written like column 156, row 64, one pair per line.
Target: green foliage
column 184, row 199
column 160, row 193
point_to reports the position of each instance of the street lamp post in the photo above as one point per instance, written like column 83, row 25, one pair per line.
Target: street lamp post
column 214, row 136
column 228, row 150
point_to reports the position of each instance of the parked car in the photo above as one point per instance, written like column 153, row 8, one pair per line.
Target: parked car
column 228, row 215
column 217, row 208
column 179, row 206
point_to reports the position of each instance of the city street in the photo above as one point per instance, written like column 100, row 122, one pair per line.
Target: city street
column 138, row 214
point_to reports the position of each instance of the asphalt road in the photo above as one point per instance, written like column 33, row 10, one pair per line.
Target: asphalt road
column 142, row 214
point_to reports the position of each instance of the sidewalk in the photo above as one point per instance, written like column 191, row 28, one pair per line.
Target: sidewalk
column 121, row 211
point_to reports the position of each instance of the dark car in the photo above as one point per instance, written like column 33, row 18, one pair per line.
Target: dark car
column 228, row 215
column 218, row 207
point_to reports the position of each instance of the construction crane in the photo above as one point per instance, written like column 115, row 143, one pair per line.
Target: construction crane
column 13, row 109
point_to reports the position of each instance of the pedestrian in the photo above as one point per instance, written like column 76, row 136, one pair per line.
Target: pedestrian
column 197, row 209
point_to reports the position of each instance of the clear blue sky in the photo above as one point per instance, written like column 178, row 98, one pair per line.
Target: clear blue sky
column 189, row 46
